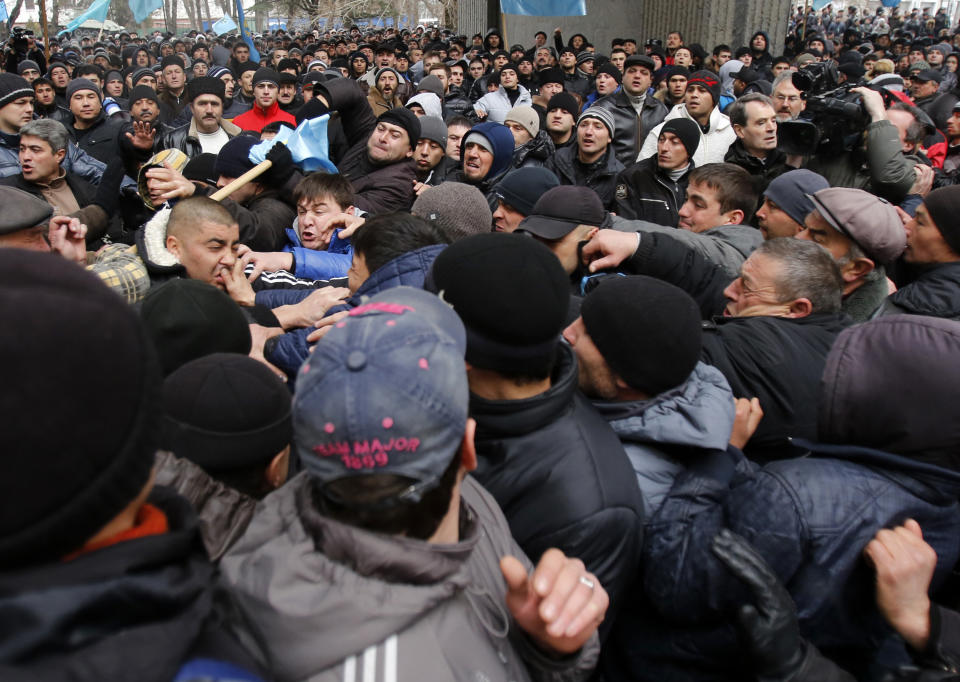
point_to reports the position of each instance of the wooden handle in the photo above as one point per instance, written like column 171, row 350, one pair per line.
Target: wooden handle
column 249, row 176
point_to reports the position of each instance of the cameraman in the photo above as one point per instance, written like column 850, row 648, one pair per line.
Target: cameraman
column 21, row 46
column 878, row 165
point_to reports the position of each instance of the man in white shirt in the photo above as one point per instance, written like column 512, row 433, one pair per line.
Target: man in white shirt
column 207, row 131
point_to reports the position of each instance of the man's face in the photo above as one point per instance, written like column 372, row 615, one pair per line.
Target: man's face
column 415, row 55
column 387, row 85
column 544, row 58
column 925, row 243
column 385, row 59
column 287, row 92
column 30, row 75
column 758, row 43
column 207, row 112
column 759, row 135
column 754, row 292
column 923, row 88
column 476, row 162
column 228, row 85
column 953, row 125
column 499, row 61
column 456, row 75
column 723, row 57
column 746, row 59
column 816, row 229
column 902, row 120
column 683, row 57
column 60, row 77
column 568, row 59
column 774, row 222
column 636, row 80
column 506, row 218
column 698, row 100
column 520, row 134
column 567, row 248
column 548, row 90
column 241, row 53
column 455, row 135
column 677, row 85
column 45, row 94
column 442, row 75
column 935, row 58
column 85, row 105
column 702, row 210
column 310, row 214
column 787, row 101
column 149, row 81
column 915, row 56
column 173, row 77
column 508, row 79
column 278, row 54
column 388, row 143
column 427, row 155
column 594, row 375
column 145, row 110
column 617, row 59
column 592, row 136
column 559, row 121
column 246, row 83
column 671, row 154
column 779, row 68
column 38, row 161
column 265, row 94
column 674, row 41
column 358, row 272
column 476, row 70
column 606, row 84
column 166, row 50
column 206, row 251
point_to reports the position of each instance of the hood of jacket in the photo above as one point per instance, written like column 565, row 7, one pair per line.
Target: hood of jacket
column 873, row 396
column 726, row 76
column 936, row 292
column 540, row 147
column 501, row 139
column 301, row 578
column 697, row 413
column 499, row 418
column 101, row 615
column 151, row 240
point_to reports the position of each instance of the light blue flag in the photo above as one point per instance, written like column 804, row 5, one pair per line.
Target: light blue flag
column 3, row 11
column 820, row 4
column 97, row 11
column 545, row 8
column 890, row 3
column 254, row 55
column 144, row 8
column 224, row 25
column 308, row 145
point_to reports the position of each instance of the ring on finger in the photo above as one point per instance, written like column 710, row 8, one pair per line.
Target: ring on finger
column 584, row 580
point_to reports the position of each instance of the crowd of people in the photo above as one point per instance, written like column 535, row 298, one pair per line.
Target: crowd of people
column 570, row 364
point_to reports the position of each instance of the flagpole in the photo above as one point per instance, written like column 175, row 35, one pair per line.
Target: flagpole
column 45, row 30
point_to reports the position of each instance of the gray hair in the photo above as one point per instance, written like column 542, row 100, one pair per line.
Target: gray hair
column 738, row 110
column 48, row 130
column 782, row 78
column 807, row 270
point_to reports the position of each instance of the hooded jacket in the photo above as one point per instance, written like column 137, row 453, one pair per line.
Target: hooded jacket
column 811, row 517
column 631, row 130
column 99, row 140
column 141, row 610
column 330, row 601
column 713, row 144
column 562, row 478
column 497, row 104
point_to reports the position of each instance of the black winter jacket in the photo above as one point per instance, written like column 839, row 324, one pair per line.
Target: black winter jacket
column 762, row 171
column 600, row 176
column 99, row 140
column 936, row 292
column 561, row 476
column 535, row 152
column 646, row 192
column 185, row 138
column 631, row 130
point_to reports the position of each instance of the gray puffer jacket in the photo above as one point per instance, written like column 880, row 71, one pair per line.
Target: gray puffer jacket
column 329, row 602
column 658, row 433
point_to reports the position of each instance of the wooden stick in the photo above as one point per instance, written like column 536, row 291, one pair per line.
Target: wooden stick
column 249, row 176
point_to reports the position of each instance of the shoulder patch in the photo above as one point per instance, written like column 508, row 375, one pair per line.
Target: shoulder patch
column 621, row 191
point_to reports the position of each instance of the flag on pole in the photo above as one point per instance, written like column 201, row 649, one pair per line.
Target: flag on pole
column 224, row 25
column 3, row 11
column 820, row 4
column 144, row 8
column 545, row 8
column 97, row 12
column 308, row 145
column 254, row 55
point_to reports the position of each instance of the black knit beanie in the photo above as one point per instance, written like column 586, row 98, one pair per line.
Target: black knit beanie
column 406, row 119
column 225, row 412
column 707, row 80
column 81, row 413
column 13, row 87
column 530, row 288
column 233, row 160
column 78, row 84
column 187, row 319
column 171, row 60
column 565, row 101
column 647, row 330
column 612, row 71
column 687, row 130
column 943, row 205
column 143, row 92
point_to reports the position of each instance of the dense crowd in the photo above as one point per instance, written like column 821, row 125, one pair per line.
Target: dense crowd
column 573, row 362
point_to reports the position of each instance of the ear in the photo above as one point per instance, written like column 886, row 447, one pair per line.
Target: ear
column 468, row 449
column 735, row 217
column 173, row 245
column 591, row 232
column 738, row 129
column 279, row 467
column 800, row 308
column 61, row 155
column 857, row 268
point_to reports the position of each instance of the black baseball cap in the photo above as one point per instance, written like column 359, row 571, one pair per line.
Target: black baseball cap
column 561, row 209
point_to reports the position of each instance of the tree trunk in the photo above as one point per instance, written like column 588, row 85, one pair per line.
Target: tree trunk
column 54, row 17
column 14, row 13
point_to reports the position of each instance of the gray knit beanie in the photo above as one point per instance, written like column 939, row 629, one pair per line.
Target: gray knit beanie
column 458, row 209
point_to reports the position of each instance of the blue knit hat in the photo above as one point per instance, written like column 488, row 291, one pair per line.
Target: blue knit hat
column 501, row 144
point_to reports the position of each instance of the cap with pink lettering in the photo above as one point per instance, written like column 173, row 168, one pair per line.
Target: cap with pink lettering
column 384, row 392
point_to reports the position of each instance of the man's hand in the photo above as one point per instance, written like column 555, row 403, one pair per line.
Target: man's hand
column 420, row 187
column 259, row 336
column 347, row 222
column 270, row 261
column 745, row 421
column 924, row 182
column 143, row 135
column 481, row 114
column 68, row 237
column 560, row 605
column 873, row 103
column 237, row 285
column 609, row 248
column 770, row 624
column 905, row 566
column 170, row 184
column 325, row 325
column 311, row 309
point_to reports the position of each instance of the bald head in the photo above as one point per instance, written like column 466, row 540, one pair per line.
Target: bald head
column 187, row 216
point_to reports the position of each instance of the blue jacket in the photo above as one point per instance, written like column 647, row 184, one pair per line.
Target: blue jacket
column 290, row 350
column 810, row 519
column 313, row 264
